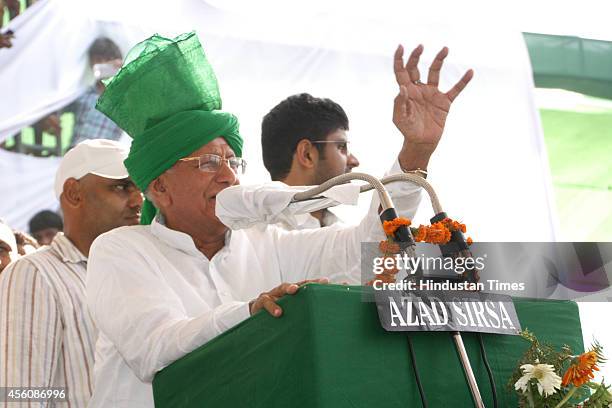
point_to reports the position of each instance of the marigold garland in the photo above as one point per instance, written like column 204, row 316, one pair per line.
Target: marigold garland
column 454, row 225
column 437, row 233
column 391, row 226
column 389, row 247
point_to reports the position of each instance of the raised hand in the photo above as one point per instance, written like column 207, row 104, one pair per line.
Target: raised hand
column 420, row 109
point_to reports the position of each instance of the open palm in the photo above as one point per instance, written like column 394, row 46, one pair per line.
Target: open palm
column 420, row 109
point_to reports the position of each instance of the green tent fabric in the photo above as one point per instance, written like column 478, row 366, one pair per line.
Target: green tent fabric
column 579, row 144
column 572, row 63
column 328, row 350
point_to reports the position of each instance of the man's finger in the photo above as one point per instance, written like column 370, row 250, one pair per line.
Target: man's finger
column 399, row 104
column 413, row 62
column 401, row 76
column 284, row 289
column 322, row 281
column 433, row 78
column 271, row 307
column 456, row 90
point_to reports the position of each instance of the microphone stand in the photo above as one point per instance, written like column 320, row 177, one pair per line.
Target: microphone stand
column 406, row 241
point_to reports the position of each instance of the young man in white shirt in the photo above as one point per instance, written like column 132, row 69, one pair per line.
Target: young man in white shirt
column 304, row 138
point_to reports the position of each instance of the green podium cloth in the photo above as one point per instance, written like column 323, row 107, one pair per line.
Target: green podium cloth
column 329, row 350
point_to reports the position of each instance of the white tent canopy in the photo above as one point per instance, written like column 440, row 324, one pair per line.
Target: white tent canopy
column 491, row 162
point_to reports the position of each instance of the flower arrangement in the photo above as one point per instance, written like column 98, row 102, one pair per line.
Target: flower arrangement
column 439, row 232
column 391, row 226
column 538, row 382
column 436, row 233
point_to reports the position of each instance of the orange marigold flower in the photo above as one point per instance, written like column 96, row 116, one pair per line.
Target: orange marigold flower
column 581, row 370
column 438, row 234
column 402, row 221
column 389, row 247
column 470, row 241
column 421, row 234
column 391, row 226
column 454, row 225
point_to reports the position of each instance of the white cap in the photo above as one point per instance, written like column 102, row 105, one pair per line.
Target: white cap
column 101, row 157
column 8, row 236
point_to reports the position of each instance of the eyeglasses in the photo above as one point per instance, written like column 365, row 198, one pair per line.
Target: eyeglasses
column 211, row 163
column 342, row 144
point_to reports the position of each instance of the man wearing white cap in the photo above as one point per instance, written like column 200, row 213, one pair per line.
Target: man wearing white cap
column 8, row 246
column 47, row 337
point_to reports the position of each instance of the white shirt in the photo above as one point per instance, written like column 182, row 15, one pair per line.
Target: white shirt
column 155, row 297
column 307, row 221
column 400, row 192
column 47, row 337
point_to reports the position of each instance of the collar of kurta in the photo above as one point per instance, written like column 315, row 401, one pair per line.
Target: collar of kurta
column 180, row 240
column 66, row 249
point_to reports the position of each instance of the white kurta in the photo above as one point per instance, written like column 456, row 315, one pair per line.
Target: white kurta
column 271, row 203
column 400, row 192
column 155, row 297
column 307, row 221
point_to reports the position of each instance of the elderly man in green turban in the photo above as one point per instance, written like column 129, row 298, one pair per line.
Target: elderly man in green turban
column 160, row 290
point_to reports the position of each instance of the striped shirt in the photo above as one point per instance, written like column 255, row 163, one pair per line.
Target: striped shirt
column 47, row 336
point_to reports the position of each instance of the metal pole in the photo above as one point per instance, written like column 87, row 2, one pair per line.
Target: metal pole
column 467, row 369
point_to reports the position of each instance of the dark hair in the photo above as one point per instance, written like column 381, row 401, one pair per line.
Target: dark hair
column 104, row 48
column 298, row 117
column 45, row 219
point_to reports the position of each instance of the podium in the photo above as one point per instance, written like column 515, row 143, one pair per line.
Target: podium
column 329, row 350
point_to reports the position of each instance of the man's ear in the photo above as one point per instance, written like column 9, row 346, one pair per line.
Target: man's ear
column 72, row 194
column 159, row 192
column 306, row 154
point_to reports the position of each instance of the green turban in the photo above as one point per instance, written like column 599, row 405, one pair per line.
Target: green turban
column 167, row 99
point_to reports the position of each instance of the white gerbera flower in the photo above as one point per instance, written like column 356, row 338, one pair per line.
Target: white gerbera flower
column 548, row 380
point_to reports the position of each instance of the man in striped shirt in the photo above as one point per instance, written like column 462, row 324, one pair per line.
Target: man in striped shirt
column 47, row 337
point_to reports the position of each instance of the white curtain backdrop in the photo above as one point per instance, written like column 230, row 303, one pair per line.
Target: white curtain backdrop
column 491, row 163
